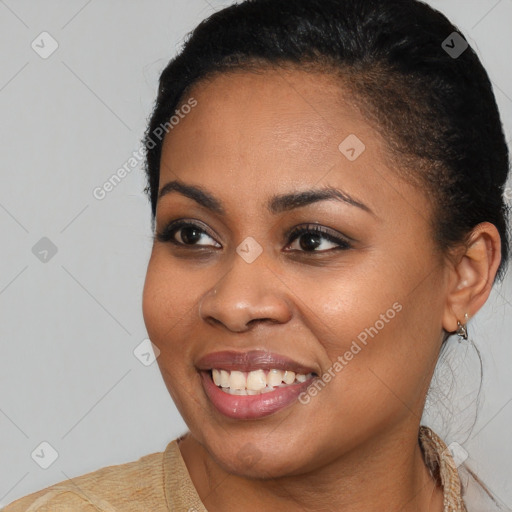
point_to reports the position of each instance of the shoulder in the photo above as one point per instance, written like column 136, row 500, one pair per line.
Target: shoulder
column 138, row 484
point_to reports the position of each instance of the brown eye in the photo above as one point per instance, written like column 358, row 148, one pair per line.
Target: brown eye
column 312, row 237
column 185, row 233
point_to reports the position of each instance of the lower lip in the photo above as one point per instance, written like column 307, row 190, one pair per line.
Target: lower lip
column 250, row 407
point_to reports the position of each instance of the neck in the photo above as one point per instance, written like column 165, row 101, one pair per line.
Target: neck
column 388, row 471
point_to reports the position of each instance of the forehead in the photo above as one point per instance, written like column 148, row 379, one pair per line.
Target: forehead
column 259, row 133
column 281, row 108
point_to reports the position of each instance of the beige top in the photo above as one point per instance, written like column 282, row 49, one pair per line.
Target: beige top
column 160, row 482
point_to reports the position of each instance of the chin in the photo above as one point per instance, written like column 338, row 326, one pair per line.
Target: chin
column 268, row 466
column 257, row 456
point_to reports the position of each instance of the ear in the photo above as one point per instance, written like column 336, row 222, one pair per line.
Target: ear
column 472, row 275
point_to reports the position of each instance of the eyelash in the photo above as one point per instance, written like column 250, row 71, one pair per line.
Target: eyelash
column 167, row 234
column 343, row 243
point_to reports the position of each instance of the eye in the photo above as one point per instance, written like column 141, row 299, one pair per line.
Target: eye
column 312, row 236
column 188, row 234
column 185, row 233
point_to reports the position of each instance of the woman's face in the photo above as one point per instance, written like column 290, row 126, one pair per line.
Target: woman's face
column 360, row 302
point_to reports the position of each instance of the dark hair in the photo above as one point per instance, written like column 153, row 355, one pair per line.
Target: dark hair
column 435, row 110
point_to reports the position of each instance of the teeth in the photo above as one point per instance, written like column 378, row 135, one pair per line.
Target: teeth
column 224, row 379
column 275, row 377
column 288, row 377
column 255, row 382
column 237, row 380
column 236, row 391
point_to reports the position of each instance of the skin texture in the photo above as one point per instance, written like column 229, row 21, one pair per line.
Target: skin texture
column 354, row 445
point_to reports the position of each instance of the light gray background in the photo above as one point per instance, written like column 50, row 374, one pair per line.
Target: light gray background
column 69, row 326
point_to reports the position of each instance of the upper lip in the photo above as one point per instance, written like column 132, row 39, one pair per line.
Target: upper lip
column 251, row 360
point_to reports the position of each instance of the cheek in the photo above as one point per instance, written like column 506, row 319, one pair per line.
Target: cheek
column 168, row 304
column 341, row 305
column 379, row 365
column 373, row 348
column 166, row 299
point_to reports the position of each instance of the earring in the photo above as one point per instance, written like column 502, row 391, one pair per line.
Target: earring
column 462, row 329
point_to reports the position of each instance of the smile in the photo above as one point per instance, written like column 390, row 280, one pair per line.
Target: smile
column 253, row 384
column 241, row 383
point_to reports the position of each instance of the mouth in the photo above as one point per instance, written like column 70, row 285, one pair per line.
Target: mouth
column 240, row 383
column 253, row 384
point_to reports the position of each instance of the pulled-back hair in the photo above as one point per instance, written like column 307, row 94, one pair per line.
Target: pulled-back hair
column 435, row 109
column 436, row 112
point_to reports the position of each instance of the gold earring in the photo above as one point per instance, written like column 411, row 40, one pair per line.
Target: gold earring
column 462, row 329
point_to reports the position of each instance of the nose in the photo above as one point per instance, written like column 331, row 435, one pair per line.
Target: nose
column 248, row 293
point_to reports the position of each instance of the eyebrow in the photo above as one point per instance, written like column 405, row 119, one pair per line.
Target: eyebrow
column 275, row 205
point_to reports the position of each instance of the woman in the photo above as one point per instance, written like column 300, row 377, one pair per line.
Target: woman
column 327, row 186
